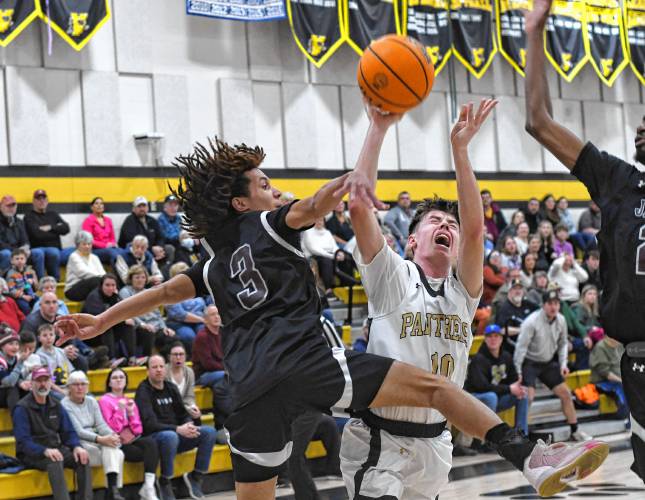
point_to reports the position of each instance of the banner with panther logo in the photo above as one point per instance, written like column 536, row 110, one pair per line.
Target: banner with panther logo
column 76, row 21
column 565, row 42
column 367, row 20
column 15, row 16
column 606, row 35
column 238, row 10
column 427, row 21
column 634, row 15
column 473, row 43
column 316, row 27
column 511, row 32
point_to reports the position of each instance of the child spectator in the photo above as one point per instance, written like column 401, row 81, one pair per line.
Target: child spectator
column 545, row 232
column 55, row 359
column 22, row 281
column 48, row 285
column 31, row 360
column 10, row 313
column 561, row 245
column 11, row 361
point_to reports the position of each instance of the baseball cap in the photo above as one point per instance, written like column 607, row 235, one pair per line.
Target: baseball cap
column 139, row 200
column 40, row 193
column 516, row 282
column 40, row 372
column 551, row 295
column 169, row 198
column 7, row 199
column 493, row 328
column 8, row 335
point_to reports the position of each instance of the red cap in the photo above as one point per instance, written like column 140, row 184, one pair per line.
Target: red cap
column 40, row 193
column 40, row 372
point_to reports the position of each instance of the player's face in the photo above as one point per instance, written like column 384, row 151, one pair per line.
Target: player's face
column 436, row 235
column 262, row 196
column 639, row 142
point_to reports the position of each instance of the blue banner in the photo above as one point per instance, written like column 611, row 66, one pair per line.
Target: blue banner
column 238, row 10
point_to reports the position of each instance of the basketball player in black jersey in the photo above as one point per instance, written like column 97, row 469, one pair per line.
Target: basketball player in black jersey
column 275, row 355
column 618, row 188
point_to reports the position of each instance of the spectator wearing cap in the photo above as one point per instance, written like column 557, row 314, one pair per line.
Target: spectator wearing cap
column 568, row 274
column 170, row 224
column 46, row 439
column 493, row 379
column 11, row 361
column 101, row 228
column 10, row 313
column 84, row 269
column 13, row 235
column 139, row 222
column 44, row 228
column 137, row 254
column 513, row 311
column 541, row 353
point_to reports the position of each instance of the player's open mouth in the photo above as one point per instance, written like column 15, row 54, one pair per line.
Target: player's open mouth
column 443, row 240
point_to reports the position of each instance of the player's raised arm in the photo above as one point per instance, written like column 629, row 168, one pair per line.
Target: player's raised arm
column 559, row 140
column 471, row 213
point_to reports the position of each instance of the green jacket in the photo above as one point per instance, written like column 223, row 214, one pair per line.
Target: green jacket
column 605, row 359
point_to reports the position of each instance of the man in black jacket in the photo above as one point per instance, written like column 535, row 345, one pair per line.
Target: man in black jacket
column 139, row 222
column 164, row 416
column 44, row 228
column 493, row 380
column 13, row 234
column 511, row 312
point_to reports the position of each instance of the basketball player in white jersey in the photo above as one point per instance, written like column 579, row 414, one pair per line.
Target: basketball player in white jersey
column 421, row 313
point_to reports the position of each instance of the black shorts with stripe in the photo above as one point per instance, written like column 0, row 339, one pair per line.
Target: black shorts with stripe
column 633, row 375
column 260, row 431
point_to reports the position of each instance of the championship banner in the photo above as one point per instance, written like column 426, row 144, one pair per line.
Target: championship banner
column 473, row 43
column 367, row 20
column 605, row 32
column 316, row 27
column 427, row 21
column 635, row 27
column 15, row 16
column 565, row 42
column 511, row 32
column 238, row 10
column 76, row 21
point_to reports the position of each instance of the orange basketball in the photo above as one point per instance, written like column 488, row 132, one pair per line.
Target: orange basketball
column 395, row 73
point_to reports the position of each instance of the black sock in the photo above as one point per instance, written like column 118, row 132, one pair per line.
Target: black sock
column 510, row 444
column 111, row 479
column 164, row 480
column 574, row 427
column 196, row 475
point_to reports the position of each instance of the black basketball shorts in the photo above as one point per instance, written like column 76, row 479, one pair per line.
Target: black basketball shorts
column 548, row 373
column 633, row 375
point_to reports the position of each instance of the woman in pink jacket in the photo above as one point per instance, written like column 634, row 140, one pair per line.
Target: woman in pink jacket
column 122, row 415
column 100, row 227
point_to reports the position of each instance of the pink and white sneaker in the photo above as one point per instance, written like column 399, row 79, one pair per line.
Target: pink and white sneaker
column 549, row 468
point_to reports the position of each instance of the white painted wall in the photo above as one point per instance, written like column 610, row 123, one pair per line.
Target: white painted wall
column 152, row 68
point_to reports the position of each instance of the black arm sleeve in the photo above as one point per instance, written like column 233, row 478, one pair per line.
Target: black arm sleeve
column 196, row 275
column 277, row 219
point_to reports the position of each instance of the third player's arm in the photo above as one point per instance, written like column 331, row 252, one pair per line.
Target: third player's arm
column 304, row 212
column 559, row 140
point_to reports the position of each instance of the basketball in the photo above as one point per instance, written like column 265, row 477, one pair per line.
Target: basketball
column 395, row 73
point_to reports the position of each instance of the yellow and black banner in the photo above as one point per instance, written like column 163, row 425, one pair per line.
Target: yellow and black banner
column 76, row 21
column 317, row 27
column 15, row 16
column 428, row 22
column 565, row 42
column 635, row 27
column 473, row 43
column 511, row 32
column 606, row 35
column 367, row 20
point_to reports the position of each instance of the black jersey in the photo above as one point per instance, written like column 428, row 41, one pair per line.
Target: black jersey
column 266, row 295
column 618, row 188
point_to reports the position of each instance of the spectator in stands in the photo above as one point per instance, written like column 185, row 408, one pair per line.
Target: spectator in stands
column 493, row 380
column 538, row 286
column 529, row 261
column 11, row 363
column 541, row 353
column 568, row 274
column 100, row 227
column 165, row 418
column 121, row 414
column 566, row 218
column 84, row 269
column 591, row 266
column 605, row 372
column 535, row 246
column 186, row 317
column 139, row 222
column 511, row 313
column 48, row 285
column 588, row 226
column 319, row 243
column 191, row 248
column 44, row 228
column 170, row 224
column 398, row 218
column 360, row 344
column 22, row 281
column 493, row 277
column 532, row 215
column 522, row 238
column 560, row 245
column 13, row 235
column 502, row 292
column 46, row 439
column 55, row 359
column 100, row 441
column 550, row 209
column 547, row 241
column 30, row 360
column 208, row 355
column 511, row 229
column 493, row 216
column 10, row 313
column 511, row 258
column 339, row 225
column 137, row 254
column 119, row 337
column 184, row 378
column 150, row 327
column 587, row 307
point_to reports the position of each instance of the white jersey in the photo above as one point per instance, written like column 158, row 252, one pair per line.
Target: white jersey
column 426, row 327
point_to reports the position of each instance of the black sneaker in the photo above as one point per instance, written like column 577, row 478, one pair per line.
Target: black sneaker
column 165, row 490
column 462, row 451
column 194, row 486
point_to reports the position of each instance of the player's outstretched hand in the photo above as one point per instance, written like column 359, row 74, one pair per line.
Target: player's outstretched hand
column 381, row 118
column 360, row 189
column 469, row 123
column 77, row 326
column 536, row 18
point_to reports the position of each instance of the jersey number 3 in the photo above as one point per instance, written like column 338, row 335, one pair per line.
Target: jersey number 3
column 243, row 268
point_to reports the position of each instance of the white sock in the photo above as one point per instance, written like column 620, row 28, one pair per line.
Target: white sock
column 149, row 479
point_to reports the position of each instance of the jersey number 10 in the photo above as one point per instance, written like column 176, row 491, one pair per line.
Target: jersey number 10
column 445, row 368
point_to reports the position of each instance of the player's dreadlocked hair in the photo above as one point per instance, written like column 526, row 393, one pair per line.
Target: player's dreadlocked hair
column 210, row 178
column 430, row 204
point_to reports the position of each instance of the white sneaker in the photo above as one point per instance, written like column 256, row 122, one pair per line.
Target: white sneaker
column 580, row 436
column 148, row 493
column 549, row 468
